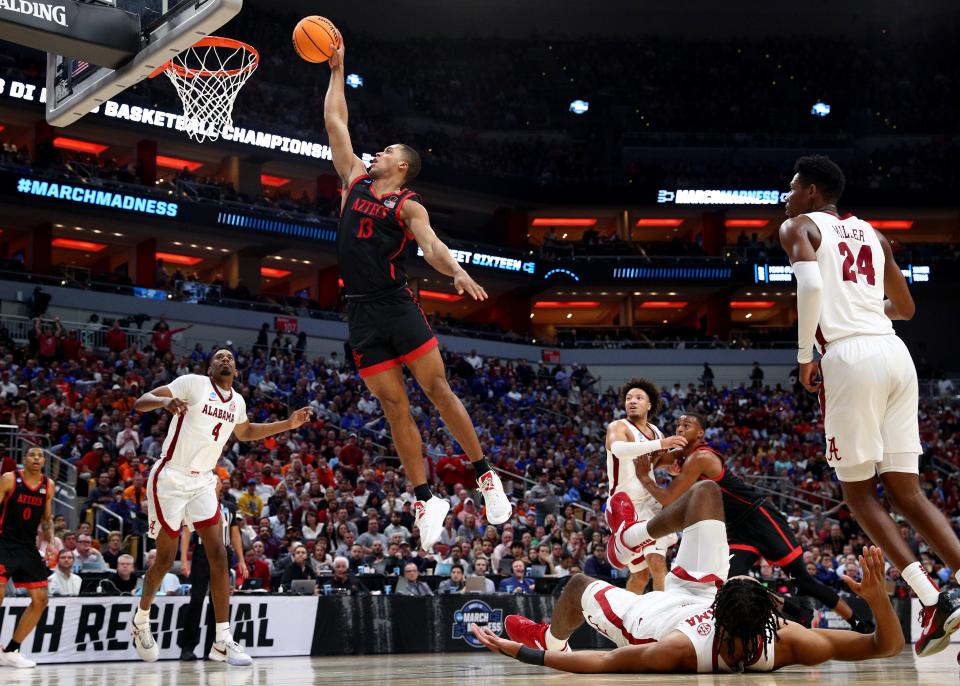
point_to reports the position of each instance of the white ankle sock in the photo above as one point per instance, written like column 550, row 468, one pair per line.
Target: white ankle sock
column 142, row 616
column 554, row 643
column 223, row 631
column 636, row 534
column 916, row 576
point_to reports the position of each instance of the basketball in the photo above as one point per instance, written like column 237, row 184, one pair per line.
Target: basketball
column 312, row 38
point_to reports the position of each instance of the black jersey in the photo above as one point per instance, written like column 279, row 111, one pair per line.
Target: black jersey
column 371, row 239
column 22, row 511
column 739, row 499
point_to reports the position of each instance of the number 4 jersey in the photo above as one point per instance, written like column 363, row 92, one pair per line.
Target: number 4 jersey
column 195, row 439
column 851, row 262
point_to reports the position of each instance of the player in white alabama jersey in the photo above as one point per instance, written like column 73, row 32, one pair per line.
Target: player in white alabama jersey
column 702, row 621
column 627, row 439
column 868, row 384
column 182, row 487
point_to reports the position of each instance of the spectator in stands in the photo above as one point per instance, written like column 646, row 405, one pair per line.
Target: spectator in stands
column 505, row 568
column 113, row 550
column 250, row 504
column 124, row 580
column 128, row 440
column 366, row 540
column 162, row 337
column 597, row 565
column 311, row 528
column 543, row 497
column 299, row 569
column 257, row 569
column 518, row 584
column 410, row 584
column 480, row 568
column 63, row 582
column 469, row 530
column 456, row 582
column 116, row 338
column 343, row 581
column 170, row 585
column 87, row 555
column 396, row 527
column 756, row 377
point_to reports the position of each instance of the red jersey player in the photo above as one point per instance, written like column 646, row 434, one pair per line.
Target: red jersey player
column 868, row 384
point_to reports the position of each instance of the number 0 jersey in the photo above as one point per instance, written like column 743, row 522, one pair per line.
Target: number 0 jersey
column 195, row 439
column 371, row 239
column 851, row 263
column 22, row 512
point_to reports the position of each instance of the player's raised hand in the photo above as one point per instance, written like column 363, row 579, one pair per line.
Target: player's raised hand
column 494, row 643
column 463, row 282
column 872, row 585
column 300, row 417
column 336, row 60
column 642, row 464
column 671, row 442
column 176, row 406
column 808, row 376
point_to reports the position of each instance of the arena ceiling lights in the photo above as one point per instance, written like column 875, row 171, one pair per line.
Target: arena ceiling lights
column 663, row 305
column 752, row 304
column 893, row 224
column 565, row 304
column 564, row 221
column 746, row 223
column 71, row 244
column 273, row 181
column 440, row 296
column 174, row 258
column 272, row 273
column 77, row 145
column 647, row 222
column 177, row 163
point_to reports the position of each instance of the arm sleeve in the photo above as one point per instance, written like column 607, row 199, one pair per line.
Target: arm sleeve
column 809, row 295
column 629, row 450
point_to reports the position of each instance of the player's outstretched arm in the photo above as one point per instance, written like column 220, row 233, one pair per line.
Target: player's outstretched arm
column 347, row 164
column 664, row 656
column 692, row 469
column 814, row 646
column 899, row 303
column 255, row 432
column 415, row 218
column 161, row 397
column 795, row 241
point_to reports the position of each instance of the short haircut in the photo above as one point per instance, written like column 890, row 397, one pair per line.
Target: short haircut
column 699, row 418
column 340, row 558
column 648, row 387
column 125, row 558
column 64, row 551
column 822, row 172
column 457, row 566
column 412, row 158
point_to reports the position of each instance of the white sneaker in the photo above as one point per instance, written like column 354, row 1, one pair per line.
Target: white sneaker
column 147, row 648
column 16, row 660
column 429, row 519
column 495, row 498
column 231, row 652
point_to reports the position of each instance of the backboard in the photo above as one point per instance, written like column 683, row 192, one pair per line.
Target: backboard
column 167, row 27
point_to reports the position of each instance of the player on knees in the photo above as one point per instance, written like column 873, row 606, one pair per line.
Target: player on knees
column 182, row 488
column 26, row 503
column 387, row 327
column 703, row 622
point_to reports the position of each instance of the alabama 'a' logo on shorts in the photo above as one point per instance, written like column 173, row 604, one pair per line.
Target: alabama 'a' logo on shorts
column 358, row 359
column 153, row 526
column 832, row 452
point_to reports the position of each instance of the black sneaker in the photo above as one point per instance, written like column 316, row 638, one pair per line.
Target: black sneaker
column 862, row 626
column 187, row 656
column 939, row 622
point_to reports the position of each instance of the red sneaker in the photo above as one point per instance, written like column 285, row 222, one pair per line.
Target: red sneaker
column 619, row 553
column 526, row 631
column 620, row 509
column 939, row 622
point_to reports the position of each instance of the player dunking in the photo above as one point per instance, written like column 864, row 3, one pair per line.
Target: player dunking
column 868, row 384
column 703, row 621
column 627, row 439
column 182, row 488
column 387, row 325
column 27, row 503
column 754, row 529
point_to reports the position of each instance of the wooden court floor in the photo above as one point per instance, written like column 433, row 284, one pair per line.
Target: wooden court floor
column 478, row 669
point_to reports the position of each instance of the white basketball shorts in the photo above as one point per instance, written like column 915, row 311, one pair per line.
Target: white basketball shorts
column 869, row 401
column 700, row 568
column 175, row 498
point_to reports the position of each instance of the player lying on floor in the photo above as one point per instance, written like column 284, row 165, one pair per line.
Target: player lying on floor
column 702, row 622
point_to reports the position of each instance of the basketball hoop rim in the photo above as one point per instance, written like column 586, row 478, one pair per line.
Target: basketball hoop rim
column 212, row 42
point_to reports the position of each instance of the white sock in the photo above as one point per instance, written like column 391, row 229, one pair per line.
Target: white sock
column 142, row 616
column 636, row 534
column 957, row 577
column 922, row 585
column 554, row 643
column 223, row 631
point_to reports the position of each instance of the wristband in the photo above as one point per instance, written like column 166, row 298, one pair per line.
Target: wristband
column 530, row 656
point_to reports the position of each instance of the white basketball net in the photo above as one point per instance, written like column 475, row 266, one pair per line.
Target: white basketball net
column 208, row 77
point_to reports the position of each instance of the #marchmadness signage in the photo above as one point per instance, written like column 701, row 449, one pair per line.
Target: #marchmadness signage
column 97, row 629
column 89, row 195
column 697, row 196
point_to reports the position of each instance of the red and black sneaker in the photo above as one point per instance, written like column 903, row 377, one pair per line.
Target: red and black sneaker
column 939, row 622
column 620, row 509
column 619, row 553
column 526, row 631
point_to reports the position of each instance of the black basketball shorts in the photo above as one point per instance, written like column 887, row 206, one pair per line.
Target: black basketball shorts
column 24, row 565
column 388, row 331
column 763, row 533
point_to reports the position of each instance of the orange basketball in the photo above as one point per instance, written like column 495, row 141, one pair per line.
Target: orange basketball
column 312, row 38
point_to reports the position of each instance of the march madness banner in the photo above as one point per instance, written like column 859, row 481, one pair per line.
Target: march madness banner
column 97, row 629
